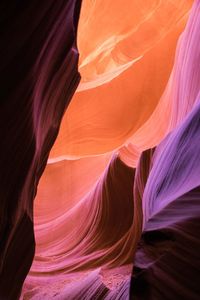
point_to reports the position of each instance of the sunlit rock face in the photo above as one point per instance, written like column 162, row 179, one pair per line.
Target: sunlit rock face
column 127, row 52
column 116, row 215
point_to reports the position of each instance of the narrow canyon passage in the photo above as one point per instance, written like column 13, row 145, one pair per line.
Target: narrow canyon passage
column 100, row 159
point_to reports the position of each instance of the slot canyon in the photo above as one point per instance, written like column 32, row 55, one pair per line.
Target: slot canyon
column 100, row 151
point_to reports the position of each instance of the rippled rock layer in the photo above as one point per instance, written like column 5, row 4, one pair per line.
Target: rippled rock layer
column 116, row 212
column 38, row 78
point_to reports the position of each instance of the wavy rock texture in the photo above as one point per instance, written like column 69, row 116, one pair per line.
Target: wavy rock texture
column 100, row 237
column 167, row 262
column 124, row 69
column 38, row 78
column 121, row 185
column 168, row 255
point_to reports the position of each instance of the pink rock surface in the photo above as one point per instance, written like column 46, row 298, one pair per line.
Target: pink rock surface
column 120, row 191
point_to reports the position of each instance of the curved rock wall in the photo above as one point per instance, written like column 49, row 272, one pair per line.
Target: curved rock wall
column 38, row 78
column 120, row 188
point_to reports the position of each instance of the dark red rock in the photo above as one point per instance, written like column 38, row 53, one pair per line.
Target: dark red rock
column 39, row 75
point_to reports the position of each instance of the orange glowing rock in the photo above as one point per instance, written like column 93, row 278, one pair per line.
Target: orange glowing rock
column 126, row 56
